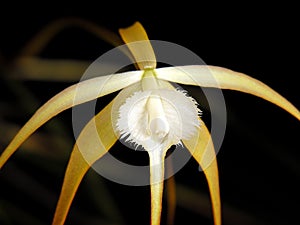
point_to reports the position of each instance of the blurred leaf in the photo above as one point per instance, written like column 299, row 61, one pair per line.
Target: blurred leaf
column 199, row 203
column 102, row 197
column 33, row 68
column 42, row 39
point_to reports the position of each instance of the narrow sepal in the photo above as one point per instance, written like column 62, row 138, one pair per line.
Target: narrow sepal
column 202, row 149
column 85, row 152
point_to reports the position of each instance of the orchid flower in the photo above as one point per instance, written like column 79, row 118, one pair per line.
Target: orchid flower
column 151, row 113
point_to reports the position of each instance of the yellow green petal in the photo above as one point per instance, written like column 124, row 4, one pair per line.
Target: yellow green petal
column 218, row 77
column 202, row 149
column 89, row 90
column 88, row 145
column 138, row 43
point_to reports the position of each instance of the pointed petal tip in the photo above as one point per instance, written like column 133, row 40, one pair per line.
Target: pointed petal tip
column 136, row 39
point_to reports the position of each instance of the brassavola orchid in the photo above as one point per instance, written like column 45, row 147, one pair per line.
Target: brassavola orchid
column 148, row 110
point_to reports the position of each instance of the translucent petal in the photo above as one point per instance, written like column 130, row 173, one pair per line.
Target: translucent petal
column 218, row 77
column 87, row 144
column 202, row 149
column 89, row 90
column 138, row 42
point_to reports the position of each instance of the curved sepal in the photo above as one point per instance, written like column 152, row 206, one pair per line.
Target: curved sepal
column 218, row 77
column 85, row 152
column 71, row 96
column 202, row 149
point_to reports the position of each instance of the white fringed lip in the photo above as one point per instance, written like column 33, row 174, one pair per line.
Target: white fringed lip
column 146, row 126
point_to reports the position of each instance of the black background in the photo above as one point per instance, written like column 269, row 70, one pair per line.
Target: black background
column 259, row 160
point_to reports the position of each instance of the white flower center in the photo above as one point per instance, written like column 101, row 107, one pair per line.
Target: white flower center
column 158, row 118
column 159, row 128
